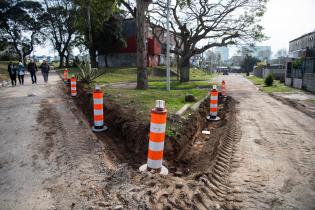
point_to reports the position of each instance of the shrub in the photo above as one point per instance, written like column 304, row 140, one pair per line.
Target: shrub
column 269, row 80
column 87, row 74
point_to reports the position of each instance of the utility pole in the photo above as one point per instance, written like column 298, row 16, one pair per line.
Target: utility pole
column 168, row 73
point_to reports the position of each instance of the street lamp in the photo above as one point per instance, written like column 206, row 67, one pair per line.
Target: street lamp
column 168, row 73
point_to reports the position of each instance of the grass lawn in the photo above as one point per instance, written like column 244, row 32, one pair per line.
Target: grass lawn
column 4, row 74
column 129, row 74
column 276, row 87
column 144, row 100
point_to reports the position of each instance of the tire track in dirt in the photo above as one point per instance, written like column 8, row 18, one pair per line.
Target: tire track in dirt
column 206, row 189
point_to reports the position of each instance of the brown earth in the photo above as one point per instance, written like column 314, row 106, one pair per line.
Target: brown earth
column 198, row 163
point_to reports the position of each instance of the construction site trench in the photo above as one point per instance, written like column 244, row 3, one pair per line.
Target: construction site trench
column 199, row 164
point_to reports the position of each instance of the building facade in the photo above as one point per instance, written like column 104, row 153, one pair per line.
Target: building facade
column 263, row 53
column 128, row 56
column 300, row 70
column 223, row 52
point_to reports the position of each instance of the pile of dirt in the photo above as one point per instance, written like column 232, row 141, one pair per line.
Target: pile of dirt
column 199, row 164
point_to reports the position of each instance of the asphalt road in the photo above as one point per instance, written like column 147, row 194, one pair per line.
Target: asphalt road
column 274, row 164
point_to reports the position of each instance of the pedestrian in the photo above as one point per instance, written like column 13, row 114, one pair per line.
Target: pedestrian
column 21, row 73
column 32, row 68
column 45, row 70
column 12, row 73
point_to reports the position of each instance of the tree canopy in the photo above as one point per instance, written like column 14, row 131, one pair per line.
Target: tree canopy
column 20, row 25
column 220, row 22
column 59, row 25
column 90, row 18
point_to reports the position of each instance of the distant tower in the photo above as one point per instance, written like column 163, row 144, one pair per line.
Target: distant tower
column 224, row 53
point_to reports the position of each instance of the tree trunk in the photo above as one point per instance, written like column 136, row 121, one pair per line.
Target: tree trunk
column 67, row 59
column 184, row 69
column 177, row 67
column 142, row 75
column 105, row 58
column 92, row 53
column 61, row 59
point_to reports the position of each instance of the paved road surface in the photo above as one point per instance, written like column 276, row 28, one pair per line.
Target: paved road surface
column 47, row 159
column 276, row 155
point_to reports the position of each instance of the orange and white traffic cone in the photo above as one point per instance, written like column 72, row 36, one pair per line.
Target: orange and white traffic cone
column 98, row 114
column 213, row 104
column 65, row 75
column 156, row 139
column 73, row 86
column 223, row 93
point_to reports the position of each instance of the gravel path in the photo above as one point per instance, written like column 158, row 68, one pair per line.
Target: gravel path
column 275, row 167
column 49, row 159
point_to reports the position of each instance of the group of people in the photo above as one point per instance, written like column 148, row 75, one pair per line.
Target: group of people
column 18, row 71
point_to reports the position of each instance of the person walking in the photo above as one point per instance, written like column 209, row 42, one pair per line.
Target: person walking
column 21, row 73
column 32, row 68
column 45, row 70
column 12, row 73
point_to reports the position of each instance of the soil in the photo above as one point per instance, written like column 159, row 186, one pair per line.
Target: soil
column 198, row 163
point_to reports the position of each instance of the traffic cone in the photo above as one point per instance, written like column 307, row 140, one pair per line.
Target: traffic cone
column 73, row 84
column 98, row 114
column 213, row 104
column 65, row 75
column 156, row 139
column 223, row 93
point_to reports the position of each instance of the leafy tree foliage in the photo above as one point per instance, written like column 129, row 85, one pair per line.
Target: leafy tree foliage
column 248, row 63
column 110, row 36
column 90, row 18
column 19, row 24
column 59, row 26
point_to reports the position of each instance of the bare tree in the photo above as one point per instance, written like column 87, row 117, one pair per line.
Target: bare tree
column 221, row 22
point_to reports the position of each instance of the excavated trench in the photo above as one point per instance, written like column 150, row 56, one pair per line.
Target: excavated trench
column 199, row 164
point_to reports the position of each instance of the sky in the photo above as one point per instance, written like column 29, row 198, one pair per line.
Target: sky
column 283, row 21
column 286, row 20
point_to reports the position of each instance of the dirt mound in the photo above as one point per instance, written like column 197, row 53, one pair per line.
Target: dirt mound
column 199, row 164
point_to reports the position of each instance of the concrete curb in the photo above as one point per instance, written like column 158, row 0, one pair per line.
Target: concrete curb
column 183, row 109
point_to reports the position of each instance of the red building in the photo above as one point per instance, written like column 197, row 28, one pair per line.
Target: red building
column 128, row 56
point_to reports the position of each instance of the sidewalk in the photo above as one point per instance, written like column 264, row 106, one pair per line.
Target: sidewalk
column 303, row 101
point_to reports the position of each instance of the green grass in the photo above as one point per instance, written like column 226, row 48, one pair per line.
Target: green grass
column 180, row 85
column 4, row 74
column 143, row 100
column 129, row 74
column 276, row 87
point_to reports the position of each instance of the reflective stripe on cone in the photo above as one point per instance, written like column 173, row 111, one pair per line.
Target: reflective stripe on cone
column 214, row 103
column 98, row 114
column 156, row 138
column 73, row 86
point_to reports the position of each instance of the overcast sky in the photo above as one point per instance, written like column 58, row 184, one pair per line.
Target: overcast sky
column 284, row 21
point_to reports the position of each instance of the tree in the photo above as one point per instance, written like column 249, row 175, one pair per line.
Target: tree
column 139, row 14
column 282, row 53
column 110, row 37
column 59, row 26
column 90, row 18
column 142, row 51
column 19, row 25
column 221, row 22
column 265, row 54
column 248, row 63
